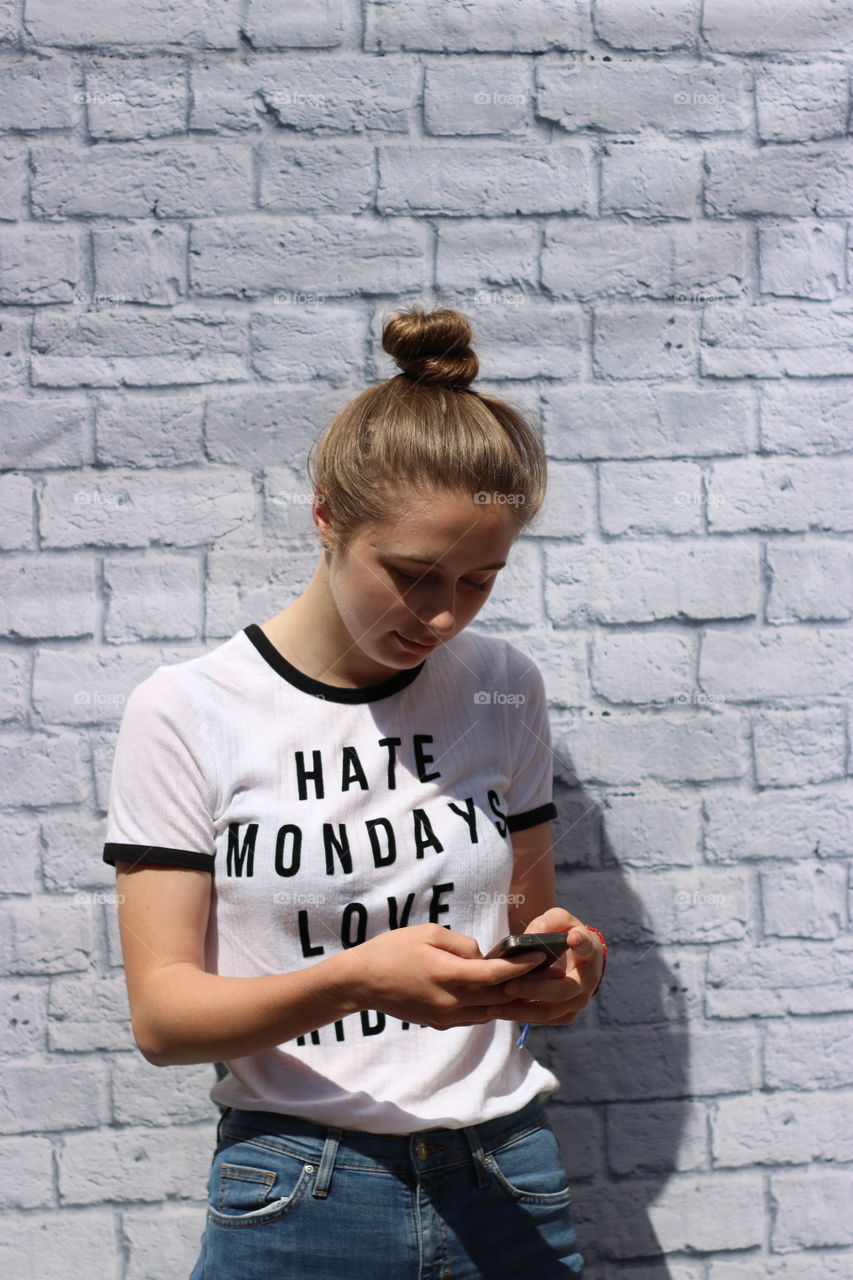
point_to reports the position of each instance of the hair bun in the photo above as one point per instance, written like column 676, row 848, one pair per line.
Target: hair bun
column 432, row 347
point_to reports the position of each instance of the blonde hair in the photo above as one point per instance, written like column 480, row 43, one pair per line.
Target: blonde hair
column 426, row 427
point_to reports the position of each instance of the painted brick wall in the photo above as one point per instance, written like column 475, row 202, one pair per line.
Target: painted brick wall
column 207, row 208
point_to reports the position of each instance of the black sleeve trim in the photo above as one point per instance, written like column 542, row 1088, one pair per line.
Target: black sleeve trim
column 157, row 855
column 521, row 821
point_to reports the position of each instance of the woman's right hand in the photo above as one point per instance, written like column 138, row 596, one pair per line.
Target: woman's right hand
column 431, row 975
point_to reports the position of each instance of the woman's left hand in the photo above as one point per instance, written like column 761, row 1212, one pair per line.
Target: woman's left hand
column 564, row 989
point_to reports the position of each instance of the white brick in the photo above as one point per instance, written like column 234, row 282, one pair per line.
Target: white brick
column 774, row 340
column 36, row 92
column 743, row 26
column 793, row 494
column 644, row 342
column 142, row 432
column 90, row 686
column 811, row 1212
column 527, row 341
column 14, row 350
column 68, row 862
column 136, row 97
column 757, row 664
column 153, row 598
column 782, row 1128
column 520, row 580
column 630, row 94
column 689, row 1212
column 448, row 179
column 496, row 255
column 802, row 1053
column 44, row 595
column 643, row 666
column 625, row 25
column 648, row 581
column 88, row 1013
column 640, row 1137
column 484, row 95
column 672, row 989
column 16, row 503
column 271, row 25
column 810, row 582
column 53, row 773
column 314, row 257
column 803, row 260
column 779, row 979
column 65, row 1095
column 134, row 509
column 563, row 655
column 798, row 825
column 644, row 422
column 287, row 505
column 10, row 20
column 46, row 935
column 23, row 1011
column 806, row 419
column 14, row 694
column 141, row 1164
column 145, row 1233
column 306, row 343
column 42, row 432
column 32, row 1182
column 142, row 263
column 502, row 26
column 322, row 95
column 650, row 497
column 38, row 264
column 250, row 586
column 818, row 1266
column 646, row 179
column 126, row 348
column 782, row 180
column 656, row 829
column 801, row 102
column 185, row 179
column 205, row 23
column 669, row 747
column 326, row 176
column 41, row 1245
column 597, row 258
column 569, row 507
column 13, row 176
column 793, row 747
column 147, row 1095
column 805, row 901
column 246, row 429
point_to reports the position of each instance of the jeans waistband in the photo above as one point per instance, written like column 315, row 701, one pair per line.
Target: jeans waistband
column 421, row 1150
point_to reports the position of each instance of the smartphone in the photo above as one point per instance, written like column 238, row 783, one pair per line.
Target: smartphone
column 518, row 944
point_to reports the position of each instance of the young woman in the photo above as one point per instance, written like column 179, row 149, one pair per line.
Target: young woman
column 320, row 828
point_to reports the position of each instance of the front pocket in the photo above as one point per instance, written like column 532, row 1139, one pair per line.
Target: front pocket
column 530, row 1169
column 244, row 1195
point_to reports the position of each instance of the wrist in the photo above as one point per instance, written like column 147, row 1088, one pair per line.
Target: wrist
column 347, row 981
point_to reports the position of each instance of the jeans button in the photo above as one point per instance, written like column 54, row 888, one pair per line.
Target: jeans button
column 421, row 1150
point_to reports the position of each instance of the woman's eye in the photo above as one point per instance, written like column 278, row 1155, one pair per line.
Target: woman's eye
column 407, row 577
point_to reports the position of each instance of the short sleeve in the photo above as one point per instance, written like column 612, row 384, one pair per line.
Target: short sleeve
column 163, row 781
column 529, row 799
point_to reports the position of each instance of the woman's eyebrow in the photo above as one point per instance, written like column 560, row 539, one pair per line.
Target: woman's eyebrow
column 426, row 560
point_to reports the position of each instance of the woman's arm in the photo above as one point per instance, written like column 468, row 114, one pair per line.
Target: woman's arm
column 181, row 1014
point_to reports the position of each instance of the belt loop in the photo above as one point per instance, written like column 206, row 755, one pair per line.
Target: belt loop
column 226, row 1111
column 327, row 1161
column 477, row 1155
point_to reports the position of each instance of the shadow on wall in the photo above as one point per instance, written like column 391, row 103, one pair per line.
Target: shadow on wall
column 622, row 1105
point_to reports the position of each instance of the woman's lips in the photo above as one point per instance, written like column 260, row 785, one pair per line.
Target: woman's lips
column 416, row 644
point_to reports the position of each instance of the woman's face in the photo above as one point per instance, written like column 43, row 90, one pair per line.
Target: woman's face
column 422, row 576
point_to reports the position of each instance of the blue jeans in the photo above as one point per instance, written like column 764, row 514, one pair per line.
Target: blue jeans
column 288, row 1198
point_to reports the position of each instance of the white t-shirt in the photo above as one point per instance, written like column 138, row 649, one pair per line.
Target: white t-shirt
column 330, row 815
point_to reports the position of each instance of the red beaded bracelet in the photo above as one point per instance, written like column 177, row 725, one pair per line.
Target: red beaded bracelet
column 593, row 929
